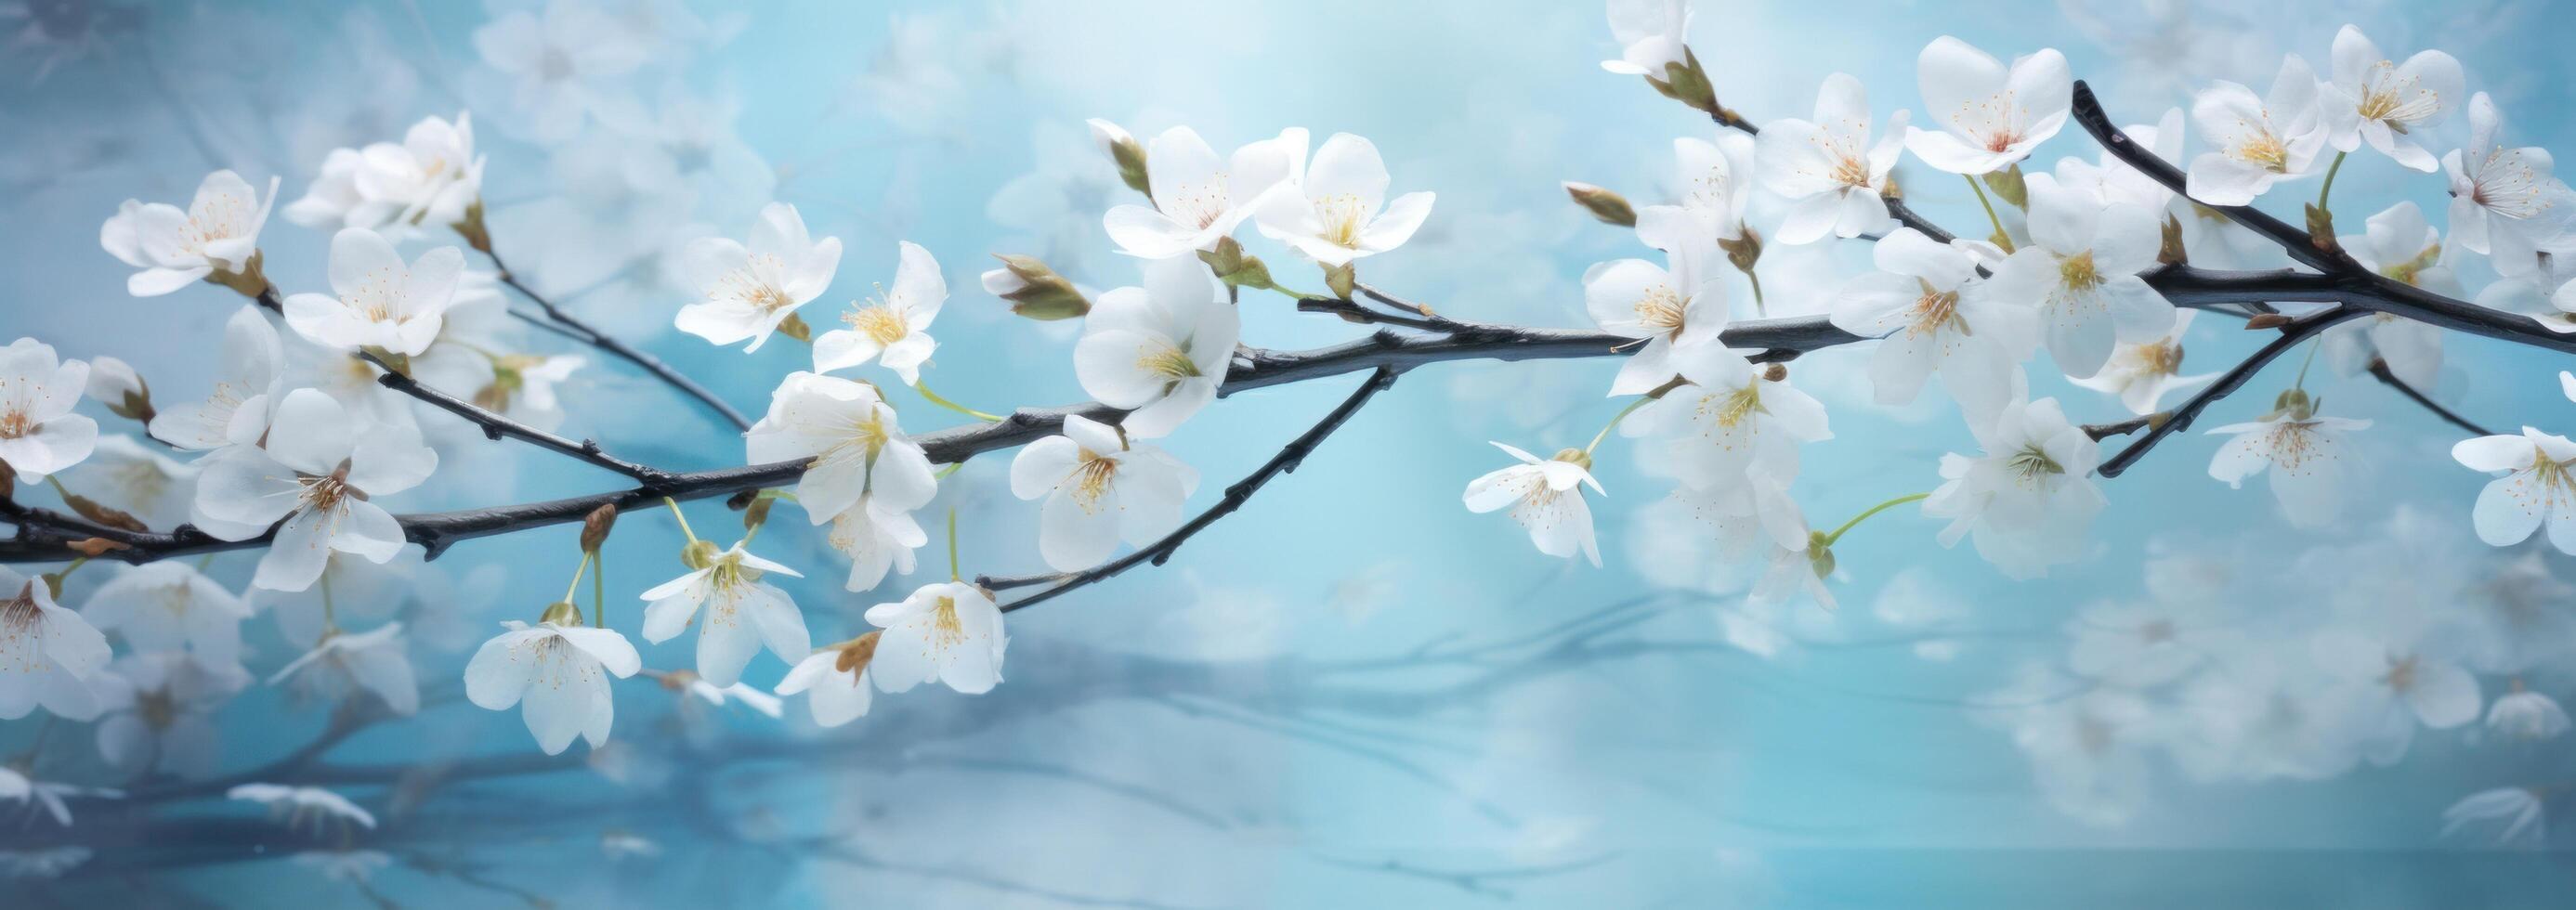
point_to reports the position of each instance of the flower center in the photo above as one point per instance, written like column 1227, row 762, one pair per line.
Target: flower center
column 2156, row 631
column 1849, row 170
column 2160, row 358
column 1936, row 310
column 2078, row 273
column 326, row 492
column 946, row 629
column 2032, row 463
column 2259, row 146
column 2408, row 271
column 1344, row 215
column 1662, row 309
column 883, row 323
column 1730, row 409
column 1091, row 478
column 157, row 708
column 2394, row 101
column 14, row 423
column 2401, row 673
column 1169, row 362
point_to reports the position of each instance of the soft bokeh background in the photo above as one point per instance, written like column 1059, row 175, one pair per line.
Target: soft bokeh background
column 1353, row 692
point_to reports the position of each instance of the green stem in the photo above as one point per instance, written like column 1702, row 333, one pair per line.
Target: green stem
column 1758, row 309
column 683, row 519
column 2328, row 189
column 1614, row 422
column 1873, row 510
column 942, row 473
column 330, row 616
column 933, row 397
column 577, row 572
column 599, row 590
column 2002, row 239
column 2301, row 383
column 953, row 574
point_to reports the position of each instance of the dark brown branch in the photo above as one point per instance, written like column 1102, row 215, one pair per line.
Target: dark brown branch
column 621, row 350
column 2102, row 431
column 495, row 426
column 2379, row 369
column 1289, row 457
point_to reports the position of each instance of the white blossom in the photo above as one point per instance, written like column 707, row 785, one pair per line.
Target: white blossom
column 343, row 663
column 2080, row 273
column 1933, row 315
column 2512, row 817
column 2258, row 141
column 376, row 300
column 431, row 177
column 2401, row 245
column 302, row 804
column 1338, row 210
column 877, row 539
column 743, row 613
column 1099, row 489
column 2306, row 454
column 1989, row 115
column 138, row 479
column 2371, row 99
column 1545, row 497
column 1732, row 417
column 854, row 445
column 236, row 411
column 836, row 696
column 49, row 656
column 2537, row 483
column 2142, row 373
column 2527, row 716
column 1834, row 175
column 218, row 233
column 2029, row 498
column 39, row 434
column 2145, row 644
column 1200, row 198
column 322, row 474
column 751, row 286
column 159, row 712
column 895, row 330
column 113, row 382
column 947, row 632
column 2402, row 678
column 1651, row 36
column 558, row 673
column 2504, row 201
column 1158, row 351
column 1684, row 305
column 170, row 606
column 561, row 63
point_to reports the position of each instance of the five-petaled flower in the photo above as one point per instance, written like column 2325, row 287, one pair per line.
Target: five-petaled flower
column 743, row 612
column 39, row 434
column 2258, row 141
column 854, row 445
column 2029, row 498
column 49, row 656
column 1836, row 176
column 320, row 470
column 2538, row 485
column 893, row 330
column 558, row 674
column 377, row 301
column 751, row 287
column 1161, row 350
column 1989, row 115
column 1098, row 489
column 1338, row 210
column 2371, row 99
column 948, row 632
column 1545, row 497
column 217, row 237
column 2306, row 452
column 1200, row 198
column 2080, row 273
column 1933, row 315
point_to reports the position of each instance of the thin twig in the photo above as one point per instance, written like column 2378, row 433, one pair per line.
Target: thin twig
column 621, row 350
column 2379, row 368
column 1159, row 551
column 495, row 426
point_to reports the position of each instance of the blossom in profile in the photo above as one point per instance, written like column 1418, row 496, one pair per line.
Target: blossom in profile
column 749, row 287
column 744, row 612
column 1545, row 496
column 216, row 237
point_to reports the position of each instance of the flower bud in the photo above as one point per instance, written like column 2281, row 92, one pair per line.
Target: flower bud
column 1820, row 556
column 114, row 383
column 1609, row 207
column 1744, row 250
column 596, row 525
column 472, row 229
column 1122, row 149
column 1776, row 372
column 1035, row 290
column 757, row 513
column 561, row 613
